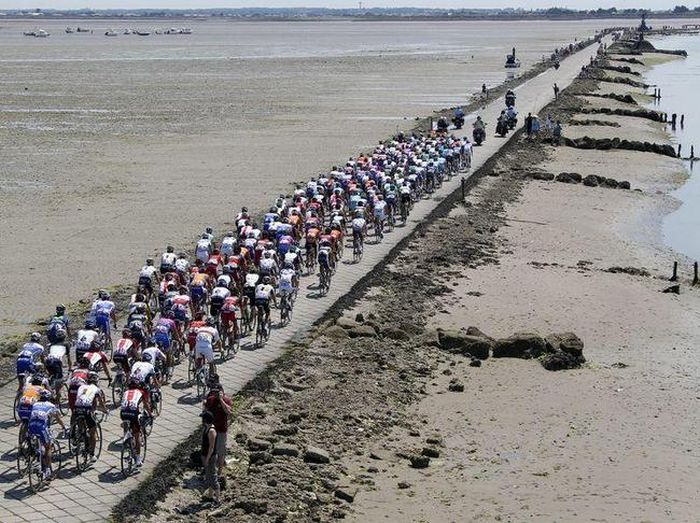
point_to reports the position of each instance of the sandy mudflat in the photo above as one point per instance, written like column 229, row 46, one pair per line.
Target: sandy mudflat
column 598, row 444
column 115, row 147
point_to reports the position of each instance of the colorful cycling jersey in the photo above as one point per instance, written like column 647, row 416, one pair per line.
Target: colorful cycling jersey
column 206, row 337
column 223, row 281
column 251, row 280
column 77, row 378
column 142, row 371
column 230, row 304
column 104, row 307
column 181, row 302
column 379, row 207
column 30, row 395
column 227, row 245
column 86, row 395
column 358, row 224
column 41, row 413
column 132, row 400
column 31, row 351
column 165, row 326
column 267, row 266
column 167, row 260
column 95, row 357
column 202, row 249
column 182, row 265
column 147, row 271
column 123, row 349
column 291, row 257
column 286, row 281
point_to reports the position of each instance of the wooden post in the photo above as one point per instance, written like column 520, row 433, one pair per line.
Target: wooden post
column 675, row 272
column 692, row 152
column 695, row 273
column 463, row 188
column 682, row 120
column 674, row 116
column 679, row 150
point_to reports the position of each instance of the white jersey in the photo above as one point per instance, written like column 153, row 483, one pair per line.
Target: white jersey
column 85, row 338
column 155, row 352
column 168, row 258
column 286, row 279
column 251, row 280
column 227, row 245
column 86, row 395
column 224, row 280
column 57, row 351
column 379, row 207
column 202, row 249
column 104, row 307
column 206, row 337
column 263, row 292
column 358, row 224
column 142, row 370
column 147, row 271
column 290, row 257
column 220, row 292
column 267, row 265
column 182, row 265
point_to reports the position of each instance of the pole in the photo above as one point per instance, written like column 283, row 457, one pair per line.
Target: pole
column 682, row 120
column 679, row 150
column 695, row 273
column 675, row 272
column 463, row 189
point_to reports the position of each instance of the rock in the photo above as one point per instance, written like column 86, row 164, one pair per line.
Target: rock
column 430, row 452
column 540, row 175
column 523, row 345
column 475, row 362
column 259, row 458
column 316, row 455
column 419, row 462
column 258, row 410
column 285, row 450
column 251, row 506
column 289, row 430
column 459, row 343
column 610, row 182
column 336, row 514
column 378, row 455
column 590, row 181
column 624, row 185
column 395, row 333
column 404, row 485
column 569, row 178
column 362, row 331
column 346, row 323
column 434, row 441
column 475, row 331
column 372, row 470
column 429, row 338
column 455, row 386
column 560, row 361
column 336, row 332
column 566, row 342
column 255, row 444
column 346, row 494
column 673, row 289
column 359, row 317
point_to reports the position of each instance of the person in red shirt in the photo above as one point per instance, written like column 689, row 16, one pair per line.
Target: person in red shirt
column 192, row 330
column 221, row 406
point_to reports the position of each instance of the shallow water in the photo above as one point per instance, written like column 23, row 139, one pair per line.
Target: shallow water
column 679, row 82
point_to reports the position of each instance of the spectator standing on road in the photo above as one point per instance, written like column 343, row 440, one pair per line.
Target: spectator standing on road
column 556, row 91
column 528, row 124
column 208, row 453
column 556, row 133
column 220, row 406
column 535, row 126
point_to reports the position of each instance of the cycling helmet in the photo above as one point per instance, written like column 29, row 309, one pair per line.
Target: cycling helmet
column 182, row 256
column 146, row 357
column 209, row 230
column 211, row 322
column 35, row 336
column 96, row 345
column 90, row 324
column 133, row 383
column 93, row 378
column 244, row 209
column 273, row 210
column 229, row 234
column 44, row 395
column 126, row 333
column 149, row 261
column 170, row 248
column 37, row 379
column 60, row 308
column 205, row 236
column 266, row 280
column 168, row 314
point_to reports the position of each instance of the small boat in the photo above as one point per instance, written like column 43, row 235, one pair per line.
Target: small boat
column 70, row 30
column 143, row 33
column 186, row 31
column 111, row 33
column 127, row 31
column 173, row 31
column 29, row 33
column 41, row 34
column 82, row 30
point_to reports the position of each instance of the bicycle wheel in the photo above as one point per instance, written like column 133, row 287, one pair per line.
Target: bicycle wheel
column 24, row 457
column 56, row 458
column 147, row 426
column 127, row 457
column 15, row 405
column 268, row 329
column 144, row 444
column 156, row 403
column 73, row 439
column 98, row 440
column 202, row 378
column 190, row 370
column 63, row 403
column 259, row 334
column 36, row 473
column 117, row 390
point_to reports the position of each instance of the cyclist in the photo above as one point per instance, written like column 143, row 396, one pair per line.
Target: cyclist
column 379, row 214
column 77, row 378
column 32, row 353
column 58, row 330
column 325, row 257
column 124, row 351
column 263, row 293
column 157, row 355
column 203, row 248
column 229, row 311
column 43, row 411
column 289, row 281
column 167, row 260
column 268, row 265
column 182, row 267
column 164, row 331
column 85, row 338
column 89, row 398
column 104, row 312
column 54, row 367
column 144, row 372
column 148, row 277
column 30, row 395
column 207, row 340
column 98, row 359
column 228, row 243
column 359, row 228
column 182, row 307
column 135, row 401
column 219, row 296
column 193, row 328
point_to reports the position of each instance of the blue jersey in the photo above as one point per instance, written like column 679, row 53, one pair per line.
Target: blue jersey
column 41, row 414
column 31, row 351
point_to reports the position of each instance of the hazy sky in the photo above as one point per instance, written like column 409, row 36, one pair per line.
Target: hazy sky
column 127, row 4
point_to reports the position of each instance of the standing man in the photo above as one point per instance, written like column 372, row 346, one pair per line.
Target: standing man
column 528, row 124
column 220, row 405
column 556, row 91
column 484, row 91
column 208, row 454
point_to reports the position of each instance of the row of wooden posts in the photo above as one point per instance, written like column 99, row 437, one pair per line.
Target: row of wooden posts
column 696, row 280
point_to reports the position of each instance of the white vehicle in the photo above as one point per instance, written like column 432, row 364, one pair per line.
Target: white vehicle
column 111, row 33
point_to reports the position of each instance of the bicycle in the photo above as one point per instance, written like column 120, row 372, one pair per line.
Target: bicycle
column 128, row 452
column 230, row 342
column 357, row 249
column 39, row 474
column 262, row 331
column 79, row 440
column 286, row 305
column 118, row 385
column 201, row 377
column 25, row 450
column 311, row 258
column 324, row 280
column 156, row 399
column 379, row 229
column 60, row 392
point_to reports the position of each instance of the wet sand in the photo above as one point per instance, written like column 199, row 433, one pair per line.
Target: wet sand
column 116, row 147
